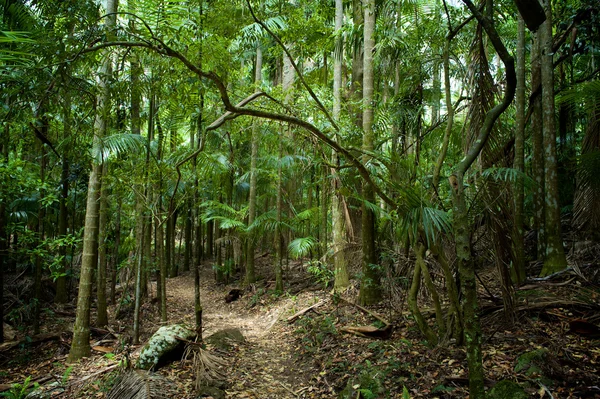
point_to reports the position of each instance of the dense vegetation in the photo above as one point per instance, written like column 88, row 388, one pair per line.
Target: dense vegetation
column 390, row 143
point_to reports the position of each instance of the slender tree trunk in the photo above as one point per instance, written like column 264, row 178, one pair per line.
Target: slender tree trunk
column 3, row 261
column 187, row 236
column 555, row 259
column 278, row 232
column 116, row 259
column 462, row 231
column 37, row 286
column 338, row 231
column 538, row 147
column 161, row 282
column 138, row 290
column 370, row 288
column 251, row 245
column 450, row 119
column 323, row 220
column 61, row 282
column 102, row 317
column 4, row 237
column 413, row 293
column 518, row 270
column 80, row 345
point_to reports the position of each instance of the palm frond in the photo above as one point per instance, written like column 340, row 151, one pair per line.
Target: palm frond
column 118, row 144
column 301, row 247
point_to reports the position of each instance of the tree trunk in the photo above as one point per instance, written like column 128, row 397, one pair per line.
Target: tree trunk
column 61, row 282
column 370, row 288
column 449, row 122
column 116, row 259
column 323, row 208
column 518, row 270
column 251, row 245
column 413, row 293
column 462, row 237
column 555, row 259
column 278, row 232
column 102, row 314
column 37, row 285
column 80, row 345
column 4, row 237
column 338, row 230
column 538, row 148
column 161, row 281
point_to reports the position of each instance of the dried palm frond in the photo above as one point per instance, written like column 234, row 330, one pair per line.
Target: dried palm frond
column 208, row 368
column 586, row 213
column 140, row 384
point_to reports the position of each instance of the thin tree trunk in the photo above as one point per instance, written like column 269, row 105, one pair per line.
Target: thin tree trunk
column 161, row 282
column 187, row 236
column 338, row 231
column 116, row 260
column 102, row 313
column 466, row 264
column 251, row 245
column 518, row 270
column 538, row 148
column 370, row 288
column 555, row 259
column 323, row 208
column 425, row 329
column 4, row 237
column 278, row 232
column 37, row 286
column 61, row 282
column 449, row 122
column 80, row 345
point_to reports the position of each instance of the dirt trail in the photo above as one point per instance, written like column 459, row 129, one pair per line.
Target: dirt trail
column 264, row 366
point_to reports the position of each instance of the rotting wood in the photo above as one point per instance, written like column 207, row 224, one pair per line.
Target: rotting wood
column 293, row 318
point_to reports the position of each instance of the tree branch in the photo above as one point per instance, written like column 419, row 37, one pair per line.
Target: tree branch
column 509, row 93
column 300, row 76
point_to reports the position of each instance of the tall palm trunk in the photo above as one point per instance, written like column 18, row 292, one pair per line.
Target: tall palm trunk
column 538, row 147
column 37, row 286
column 554, row 259
column 80, row 345
column 4, row 244
column 63, row 215
column 251, row 245
column 370, row 288
column 102, row 317
column 278, row 232
column 338, row 230
column 518, row 271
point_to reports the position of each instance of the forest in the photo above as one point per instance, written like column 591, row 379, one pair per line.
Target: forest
column 300, row 199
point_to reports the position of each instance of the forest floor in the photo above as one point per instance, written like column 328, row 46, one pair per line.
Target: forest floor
column 313, row 356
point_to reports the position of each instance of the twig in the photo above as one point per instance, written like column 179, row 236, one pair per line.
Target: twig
column 288, row 389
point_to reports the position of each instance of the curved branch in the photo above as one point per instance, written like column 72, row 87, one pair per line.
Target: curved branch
column 509, row 93
column 164, row 49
